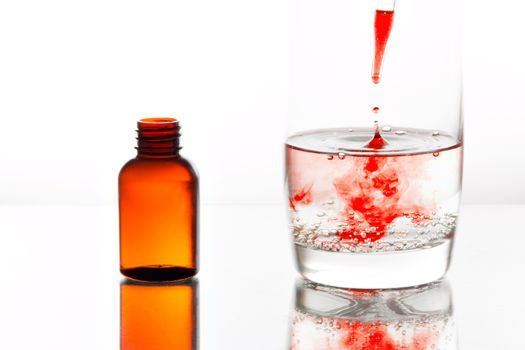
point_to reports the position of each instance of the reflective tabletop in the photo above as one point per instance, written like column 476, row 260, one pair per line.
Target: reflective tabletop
column 61, row 289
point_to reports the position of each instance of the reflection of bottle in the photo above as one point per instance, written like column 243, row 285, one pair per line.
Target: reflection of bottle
column 417, row 318
column 158, row 194
column 158, row 316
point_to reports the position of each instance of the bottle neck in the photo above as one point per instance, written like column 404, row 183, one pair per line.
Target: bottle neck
column 158, row 137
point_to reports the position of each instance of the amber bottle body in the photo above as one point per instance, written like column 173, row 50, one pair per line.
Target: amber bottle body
column 158, row 207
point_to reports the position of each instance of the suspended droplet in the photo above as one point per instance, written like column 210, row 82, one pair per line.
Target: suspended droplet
column 375, row 110
column 435, row 154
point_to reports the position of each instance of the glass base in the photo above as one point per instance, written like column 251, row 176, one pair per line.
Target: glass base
column 374, row 270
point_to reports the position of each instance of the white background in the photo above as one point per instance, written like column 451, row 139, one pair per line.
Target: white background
column 76, row 75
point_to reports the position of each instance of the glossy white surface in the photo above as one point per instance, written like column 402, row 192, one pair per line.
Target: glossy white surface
column 60, row 280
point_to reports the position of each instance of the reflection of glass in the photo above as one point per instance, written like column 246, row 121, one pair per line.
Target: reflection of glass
column 418, row 318
column 158, row 316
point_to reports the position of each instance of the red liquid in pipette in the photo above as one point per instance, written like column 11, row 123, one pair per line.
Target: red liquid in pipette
column 383, row 26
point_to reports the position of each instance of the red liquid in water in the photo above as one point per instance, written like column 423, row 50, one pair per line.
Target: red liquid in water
column 383, row 26
column 356, row 198
column 377, row 141
column 302, row 196
column 375, row 184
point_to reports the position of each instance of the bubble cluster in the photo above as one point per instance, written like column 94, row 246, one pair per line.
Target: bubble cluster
column 374, row 199
column 411, row 231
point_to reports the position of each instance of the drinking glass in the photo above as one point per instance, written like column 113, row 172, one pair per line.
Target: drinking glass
column 374, row 146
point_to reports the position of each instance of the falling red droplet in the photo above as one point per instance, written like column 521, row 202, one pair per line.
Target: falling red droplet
column 383, row 26
column 375, row 110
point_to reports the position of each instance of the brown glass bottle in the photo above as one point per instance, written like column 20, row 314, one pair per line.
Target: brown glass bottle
column 158, row 207
column 159, row 316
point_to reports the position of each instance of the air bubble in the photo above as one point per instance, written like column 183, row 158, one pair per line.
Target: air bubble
column 341, row 155
column 435, row 133
column 435, row 154
column 400, row 132
column 386, row 128
column 321, row 213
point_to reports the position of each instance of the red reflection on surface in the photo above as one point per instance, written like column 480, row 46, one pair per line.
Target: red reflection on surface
column 375, row 336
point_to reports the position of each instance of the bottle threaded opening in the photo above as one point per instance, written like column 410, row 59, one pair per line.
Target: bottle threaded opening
column 158, row 136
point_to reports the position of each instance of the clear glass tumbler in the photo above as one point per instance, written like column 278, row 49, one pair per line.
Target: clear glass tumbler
column 374, row 147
